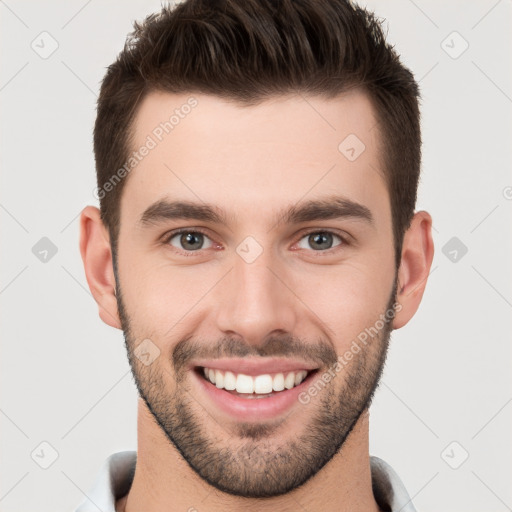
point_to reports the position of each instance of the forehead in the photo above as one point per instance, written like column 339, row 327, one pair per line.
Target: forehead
column 254, row 158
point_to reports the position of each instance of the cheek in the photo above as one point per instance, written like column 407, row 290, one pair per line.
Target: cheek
column 158, row 295
column 348, row 299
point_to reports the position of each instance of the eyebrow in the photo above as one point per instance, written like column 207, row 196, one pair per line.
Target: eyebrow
column 329, row 208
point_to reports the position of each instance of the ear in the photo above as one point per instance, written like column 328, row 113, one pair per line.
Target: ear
column 97, row 258
column 417, row 255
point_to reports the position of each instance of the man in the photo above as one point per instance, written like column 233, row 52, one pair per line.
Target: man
column 257, row 243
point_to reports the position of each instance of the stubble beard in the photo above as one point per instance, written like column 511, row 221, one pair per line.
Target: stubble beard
column 244, row 460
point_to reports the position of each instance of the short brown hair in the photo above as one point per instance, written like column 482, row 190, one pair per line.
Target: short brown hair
column 254, row 50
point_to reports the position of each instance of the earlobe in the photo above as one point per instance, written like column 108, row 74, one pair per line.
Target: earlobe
column 417, row 256
column 97, row 259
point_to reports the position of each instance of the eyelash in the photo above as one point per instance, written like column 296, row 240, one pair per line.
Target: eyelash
column 169, row 236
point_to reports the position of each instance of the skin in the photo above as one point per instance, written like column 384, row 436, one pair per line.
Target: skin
column 252, row 162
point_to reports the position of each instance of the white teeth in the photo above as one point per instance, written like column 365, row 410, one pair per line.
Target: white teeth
column 244, row 383
column 289, row 381
column 278, row 382
column 260, row 384
column 263, row 384
column 300, row 376
column 229, row 381
column 219, row 379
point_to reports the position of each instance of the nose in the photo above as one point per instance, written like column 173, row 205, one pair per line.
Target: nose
column 255, row 301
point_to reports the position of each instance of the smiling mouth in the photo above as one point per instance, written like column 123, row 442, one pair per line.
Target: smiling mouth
column 254, row 386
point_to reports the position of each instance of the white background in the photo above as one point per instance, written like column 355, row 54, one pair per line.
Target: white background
column 64, row 375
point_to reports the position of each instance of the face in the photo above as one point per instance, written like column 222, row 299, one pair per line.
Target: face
column 255, row 253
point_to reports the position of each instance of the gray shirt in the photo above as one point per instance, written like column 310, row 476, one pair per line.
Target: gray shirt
column 116, row 476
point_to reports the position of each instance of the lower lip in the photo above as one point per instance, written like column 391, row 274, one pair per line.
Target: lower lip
column 251, row 409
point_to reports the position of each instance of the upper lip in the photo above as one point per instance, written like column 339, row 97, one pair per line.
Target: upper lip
column 256, row 366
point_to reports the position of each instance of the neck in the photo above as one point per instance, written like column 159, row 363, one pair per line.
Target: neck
column 164, row 481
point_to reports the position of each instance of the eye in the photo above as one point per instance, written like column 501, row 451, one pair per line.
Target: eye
column 192, row 240
column 320, row 240
column 189, row 241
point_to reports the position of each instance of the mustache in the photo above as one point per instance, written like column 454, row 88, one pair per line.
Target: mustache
column 319, row 353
